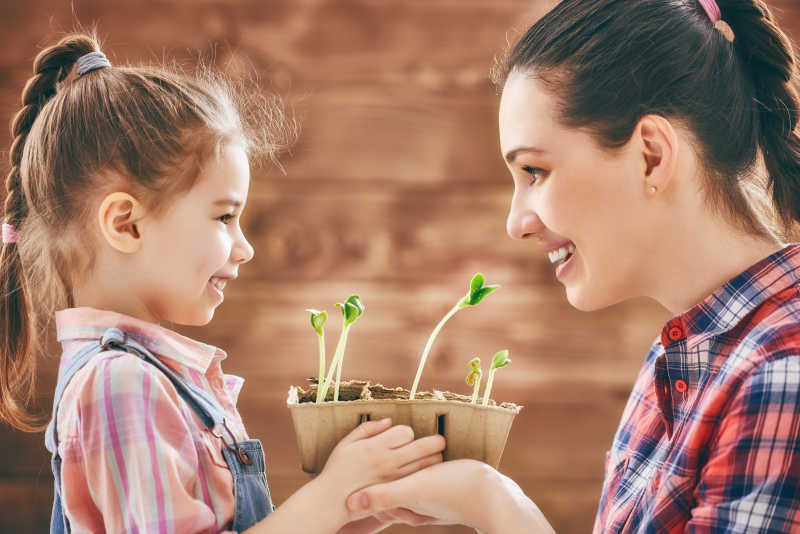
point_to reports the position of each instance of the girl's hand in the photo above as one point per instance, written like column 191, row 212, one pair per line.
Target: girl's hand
column 374, row 453
column 460, row 491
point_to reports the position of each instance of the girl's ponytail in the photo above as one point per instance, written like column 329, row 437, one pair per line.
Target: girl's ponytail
column 766, row 53
column 19, row 341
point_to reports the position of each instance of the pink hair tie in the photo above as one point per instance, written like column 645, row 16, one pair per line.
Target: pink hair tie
column 10, row 234
column 715, row 15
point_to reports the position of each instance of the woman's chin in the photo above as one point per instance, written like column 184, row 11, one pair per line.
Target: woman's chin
column 583, row 300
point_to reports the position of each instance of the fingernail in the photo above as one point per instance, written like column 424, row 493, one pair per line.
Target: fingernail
column 362, row 501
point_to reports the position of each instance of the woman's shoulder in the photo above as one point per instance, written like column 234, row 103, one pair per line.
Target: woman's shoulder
column 769, row 333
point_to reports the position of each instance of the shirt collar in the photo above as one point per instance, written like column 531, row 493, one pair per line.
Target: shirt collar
column 90, row 323
column 728, row 305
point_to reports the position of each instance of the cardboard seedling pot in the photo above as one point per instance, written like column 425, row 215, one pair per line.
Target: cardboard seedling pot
column 471, row 430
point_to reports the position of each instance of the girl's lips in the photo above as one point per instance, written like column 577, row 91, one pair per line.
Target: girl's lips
column 216, row 289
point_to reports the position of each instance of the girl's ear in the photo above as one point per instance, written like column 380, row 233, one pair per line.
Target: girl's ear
column 118, row 215
column 659, row 150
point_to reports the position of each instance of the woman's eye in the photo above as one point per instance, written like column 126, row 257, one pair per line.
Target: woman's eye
column 225, row 219
column 535, row 172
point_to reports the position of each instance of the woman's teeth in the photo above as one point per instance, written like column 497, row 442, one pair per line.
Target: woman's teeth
column 219, row 283
column 561, row 254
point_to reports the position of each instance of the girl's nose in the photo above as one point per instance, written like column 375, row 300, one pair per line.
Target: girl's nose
column 523, row 224
column 243, row 251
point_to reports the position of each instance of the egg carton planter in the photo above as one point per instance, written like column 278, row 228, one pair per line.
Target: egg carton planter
column 323, row 416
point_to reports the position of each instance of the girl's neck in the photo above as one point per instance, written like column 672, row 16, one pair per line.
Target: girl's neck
column 115, row 297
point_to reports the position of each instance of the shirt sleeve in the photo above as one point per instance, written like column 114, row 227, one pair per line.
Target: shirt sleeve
column 751, row 481
column 131, row 463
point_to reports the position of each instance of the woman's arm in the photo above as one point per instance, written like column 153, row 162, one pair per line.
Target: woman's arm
column 457, row 492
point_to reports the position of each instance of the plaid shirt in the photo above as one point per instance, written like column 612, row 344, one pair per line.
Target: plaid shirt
column 710, row 438
column 135, row 457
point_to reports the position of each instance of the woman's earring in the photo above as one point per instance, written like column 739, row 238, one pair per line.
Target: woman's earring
column 653, row 189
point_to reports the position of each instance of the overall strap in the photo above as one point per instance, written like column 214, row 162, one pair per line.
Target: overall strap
column 203, row 404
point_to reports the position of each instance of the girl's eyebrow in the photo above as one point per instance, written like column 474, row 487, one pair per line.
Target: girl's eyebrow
column 228, row 202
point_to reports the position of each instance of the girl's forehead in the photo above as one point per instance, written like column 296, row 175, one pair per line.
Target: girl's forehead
column 227, row 172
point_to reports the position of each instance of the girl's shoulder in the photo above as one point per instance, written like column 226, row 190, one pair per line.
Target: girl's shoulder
column 114, row 386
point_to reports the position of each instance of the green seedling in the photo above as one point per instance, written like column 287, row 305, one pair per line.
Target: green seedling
column 499, row 360
column 318, row 319
column 474, row 377
column 477, row 292
column 352, row 309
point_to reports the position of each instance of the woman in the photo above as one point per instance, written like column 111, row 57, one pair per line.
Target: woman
column 654, row 152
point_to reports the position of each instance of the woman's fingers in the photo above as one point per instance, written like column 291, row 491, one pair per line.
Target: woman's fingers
column 401, row 515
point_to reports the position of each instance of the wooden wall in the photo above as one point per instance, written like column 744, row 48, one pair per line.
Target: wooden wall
column 395, row 191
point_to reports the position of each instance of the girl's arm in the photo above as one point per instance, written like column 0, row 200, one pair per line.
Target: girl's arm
column 457, row 492
column 373, row 453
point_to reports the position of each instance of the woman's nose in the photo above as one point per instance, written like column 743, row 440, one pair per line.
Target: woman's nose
column 523, row 224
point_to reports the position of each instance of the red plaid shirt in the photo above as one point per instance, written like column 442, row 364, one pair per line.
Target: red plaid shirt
column 710, row 438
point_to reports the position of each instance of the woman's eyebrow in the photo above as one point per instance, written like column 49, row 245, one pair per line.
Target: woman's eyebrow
column 511, row 155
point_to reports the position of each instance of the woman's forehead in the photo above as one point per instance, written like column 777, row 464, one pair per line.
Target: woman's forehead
column 527, row 113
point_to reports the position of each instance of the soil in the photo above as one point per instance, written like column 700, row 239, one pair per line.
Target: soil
column 354, row 390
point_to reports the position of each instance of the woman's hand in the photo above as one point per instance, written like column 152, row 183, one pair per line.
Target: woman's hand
column 374, row 453
column 460, row 491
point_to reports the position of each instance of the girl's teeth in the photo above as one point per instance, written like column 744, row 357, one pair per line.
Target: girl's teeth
column 561, row 254
column 218, row 283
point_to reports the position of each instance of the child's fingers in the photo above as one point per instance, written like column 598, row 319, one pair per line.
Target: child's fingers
column 419, row 464
column 395, row 437
column 367, row 430
column 419, row 449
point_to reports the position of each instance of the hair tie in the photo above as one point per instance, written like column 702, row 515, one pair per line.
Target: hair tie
column 715, row 15
column 10, row 234
column 92, row 61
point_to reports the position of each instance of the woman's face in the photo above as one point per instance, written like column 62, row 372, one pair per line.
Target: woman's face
column 585, row 206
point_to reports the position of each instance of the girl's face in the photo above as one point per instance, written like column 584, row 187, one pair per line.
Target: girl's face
column 585, row 206
column 196, row 247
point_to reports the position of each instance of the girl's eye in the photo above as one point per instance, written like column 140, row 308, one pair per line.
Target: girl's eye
column 535, row 172
column 225, row 219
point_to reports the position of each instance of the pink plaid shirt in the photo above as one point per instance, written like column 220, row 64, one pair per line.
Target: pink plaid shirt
column 135, row 457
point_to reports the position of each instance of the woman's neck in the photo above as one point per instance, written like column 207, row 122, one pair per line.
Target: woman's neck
column 710, row 255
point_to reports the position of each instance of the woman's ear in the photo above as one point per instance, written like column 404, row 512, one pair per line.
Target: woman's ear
column 659, row 150
column 118, row 215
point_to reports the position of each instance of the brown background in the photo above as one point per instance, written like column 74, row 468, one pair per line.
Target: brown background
column 396, row 191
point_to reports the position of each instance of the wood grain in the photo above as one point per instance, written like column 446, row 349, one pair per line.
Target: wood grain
column 395, row 191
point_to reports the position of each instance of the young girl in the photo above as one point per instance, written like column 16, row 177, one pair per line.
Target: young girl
column 123, row 205
column 642, row 136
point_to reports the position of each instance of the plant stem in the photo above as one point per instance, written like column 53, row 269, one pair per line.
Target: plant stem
column 428, row 348
column 322, row 391
column 321, row 359
column 488, row 387
column 342, row 342
column 475, row 391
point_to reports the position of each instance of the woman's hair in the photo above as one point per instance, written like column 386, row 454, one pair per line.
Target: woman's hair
column 153, row 126
column 611, row 62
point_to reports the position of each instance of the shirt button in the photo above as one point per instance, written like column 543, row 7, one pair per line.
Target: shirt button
column 681, row 386
column 675, row 333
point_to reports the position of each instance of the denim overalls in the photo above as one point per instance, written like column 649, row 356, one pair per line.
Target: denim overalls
column 245, row 459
